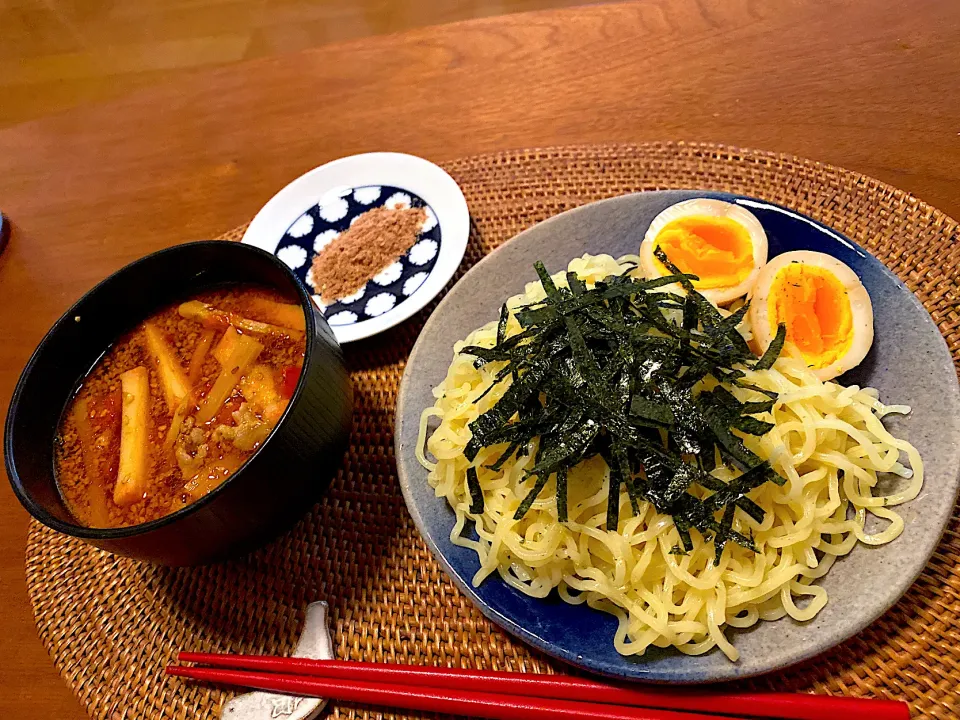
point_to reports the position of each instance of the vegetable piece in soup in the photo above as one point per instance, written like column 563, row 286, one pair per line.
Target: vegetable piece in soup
column 177, row 405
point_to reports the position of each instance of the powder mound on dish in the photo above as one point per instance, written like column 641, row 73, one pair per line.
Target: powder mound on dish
column 374, row 241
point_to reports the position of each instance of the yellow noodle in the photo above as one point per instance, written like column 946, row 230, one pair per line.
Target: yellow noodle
column 828, row 442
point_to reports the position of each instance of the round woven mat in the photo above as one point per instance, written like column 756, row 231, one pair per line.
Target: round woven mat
column 111, row 625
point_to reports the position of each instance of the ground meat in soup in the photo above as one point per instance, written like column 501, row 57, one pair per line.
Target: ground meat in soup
column 178, row 404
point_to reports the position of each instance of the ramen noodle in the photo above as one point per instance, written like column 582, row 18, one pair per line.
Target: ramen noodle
column 828, row 443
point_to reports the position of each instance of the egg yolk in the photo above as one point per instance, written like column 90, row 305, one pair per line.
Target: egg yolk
column 814, row 305
column 717, row 250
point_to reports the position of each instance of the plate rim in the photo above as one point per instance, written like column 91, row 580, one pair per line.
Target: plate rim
column 408, row 172
column 579, row 660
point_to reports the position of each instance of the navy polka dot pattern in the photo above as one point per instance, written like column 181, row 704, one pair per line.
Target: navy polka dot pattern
column 316, row 228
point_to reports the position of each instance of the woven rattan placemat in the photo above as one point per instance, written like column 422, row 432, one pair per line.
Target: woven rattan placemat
column 111, row 624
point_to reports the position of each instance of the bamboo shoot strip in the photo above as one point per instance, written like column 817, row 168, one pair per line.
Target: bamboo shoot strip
column 282, row 314
column 176, row 423
column 227, row 343
column 211, row 317
column 172, row 377
column 242, row 356
column 199, row 355
column 132, row 477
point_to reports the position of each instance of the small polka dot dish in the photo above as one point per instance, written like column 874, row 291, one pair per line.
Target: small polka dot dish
column 373, row 237
column 315, row 230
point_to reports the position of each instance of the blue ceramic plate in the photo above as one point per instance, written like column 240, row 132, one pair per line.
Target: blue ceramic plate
column 908, row 363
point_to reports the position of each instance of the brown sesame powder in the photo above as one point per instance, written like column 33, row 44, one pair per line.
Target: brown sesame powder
column 374, row 241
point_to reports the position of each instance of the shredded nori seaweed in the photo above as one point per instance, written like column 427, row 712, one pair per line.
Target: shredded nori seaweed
column 773, row 350
column 476, row 492
column 617, row 371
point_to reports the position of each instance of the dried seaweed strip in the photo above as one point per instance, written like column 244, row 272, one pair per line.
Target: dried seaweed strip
column 617, row 370
column 476, row 493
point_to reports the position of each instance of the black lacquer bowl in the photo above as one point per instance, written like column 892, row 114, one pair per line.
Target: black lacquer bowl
column 270, row 492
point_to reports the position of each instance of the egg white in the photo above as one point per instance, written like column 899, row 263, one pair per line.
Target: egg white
column 861, row 308
column 713, row 208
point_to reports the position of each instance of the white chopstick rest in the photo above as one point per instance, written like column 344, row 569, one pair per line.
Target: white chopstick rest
column 315, row 643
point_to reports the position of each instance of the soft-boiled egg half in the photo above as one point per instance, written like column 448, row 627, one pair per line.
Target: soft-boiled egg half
column 825, row 307
column 723, row 244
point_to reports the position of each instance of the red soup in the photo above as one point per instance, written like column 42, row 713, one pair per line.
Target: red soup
column 178, row 404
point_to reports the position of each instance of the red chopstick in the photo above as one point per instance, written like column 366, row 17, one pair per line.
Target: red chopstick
column 789, row 706
column 493, row 706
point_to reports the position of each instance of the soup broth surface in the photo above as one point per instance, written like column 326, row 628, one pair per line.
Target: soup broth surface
column 178, row 404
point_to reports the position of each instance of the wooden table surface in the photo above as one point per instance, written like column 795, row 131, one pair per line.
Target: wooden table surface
column 874, row 87
column 57, row 54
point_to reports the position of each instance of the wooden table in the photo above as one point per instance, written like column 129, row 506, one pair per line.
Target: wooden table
column 871, row 86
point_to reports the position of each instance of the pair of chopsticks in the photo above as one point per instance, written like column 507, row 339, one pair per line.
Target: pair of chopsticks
column 514, row 696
